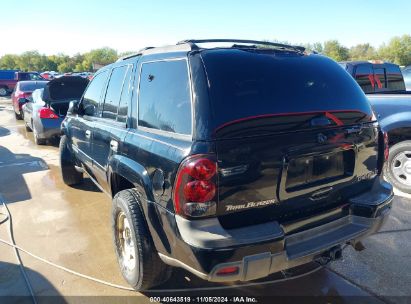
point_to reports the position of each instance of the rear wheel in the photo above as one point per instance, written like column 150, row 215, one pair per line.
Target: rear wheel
column 398, row 167
column 137, row 257
column 68, row 170
column 18, row 116
column 37, row 140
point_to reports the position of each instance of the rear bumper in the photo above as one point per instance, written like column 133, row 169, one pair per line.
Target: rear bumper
column 48, row 128
column 204, row 247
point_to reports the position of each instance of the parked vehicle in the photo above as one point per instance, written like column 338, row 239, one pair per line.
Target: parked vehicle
column 49, row 75
column 21, row 94
column 406, row 72
column 7, row 84
column 384, row 85
column 231, row 162
column 46, row 109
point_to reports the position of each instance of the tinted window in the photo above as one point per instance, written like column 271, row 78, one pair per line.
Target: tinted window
column 395, row 80
column 114, row 88
column 93, row 93
column 364, row 77
column 164, row 101
column 379, row 77
column 125, row 97
column 31, row 86
column 250, row 83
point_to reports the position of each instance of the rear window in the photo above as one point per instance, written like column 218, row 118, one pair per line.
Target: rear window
column 395, row 80
column 251, row 83
column 31, row 86
column 364, row 77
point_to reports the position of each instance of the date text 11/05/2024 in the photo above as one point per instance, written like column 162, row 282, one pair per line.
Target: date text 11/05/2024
column 239, row 299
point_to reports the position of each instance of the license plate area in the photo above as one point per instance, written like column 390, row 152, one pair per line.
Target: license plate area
column 310, row 171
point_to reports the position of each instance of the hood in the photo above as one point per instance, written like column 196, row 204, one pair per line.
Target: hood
column 65, row 88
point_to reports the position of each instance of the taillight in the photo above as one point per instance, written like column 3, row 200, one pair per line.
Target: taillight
column 386, row 146
column 47, row 113
column 195, row 187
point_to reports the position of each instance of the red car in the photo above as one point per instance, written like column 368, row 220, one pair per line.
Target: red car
column 22, row 92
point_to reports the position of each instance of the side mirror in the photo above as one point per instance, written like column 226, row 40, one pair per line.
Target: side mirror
column 89, row 110
column 73, row 107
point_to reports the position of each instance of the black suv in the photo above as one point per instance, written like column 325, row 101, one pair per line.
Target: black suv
column 232, row 162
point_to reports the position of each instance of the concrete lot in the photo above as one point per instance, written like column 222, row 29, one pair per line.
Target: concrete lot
column 70, row 227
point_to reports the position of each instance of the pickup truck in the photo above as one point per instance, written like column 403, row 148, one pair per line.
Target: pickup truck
column 9, row 79
column 384, row 85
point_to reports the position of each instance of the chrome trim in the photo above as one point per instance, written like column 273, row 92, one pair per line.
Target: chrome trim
column 178, row 263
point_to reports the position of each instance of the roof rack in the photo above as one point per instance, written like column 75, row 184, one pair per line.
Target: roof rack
column 193, row 43
column 134, row 54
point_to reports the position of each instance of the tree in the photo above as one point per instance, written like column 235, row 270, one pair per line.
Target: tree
column 363, row 52
column 316, row 47
column 9, row 62
column 398, row 50
column 333, row 49
column 101, row 56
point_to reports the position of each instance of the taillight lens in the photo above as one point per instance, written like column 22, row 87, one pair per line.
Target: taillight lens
column 195, row 187
column 386, row 146
column 47, row 113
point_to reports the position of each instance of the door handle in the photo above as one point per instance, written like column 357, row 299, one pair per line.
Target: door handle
column 114, row 145
column 88, row 134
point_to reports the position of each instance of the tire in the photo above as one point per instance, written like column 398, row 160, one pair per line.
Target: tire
column 68, row 171
column 3, row 92
column 18, row 116
column 143, row 269
column 398, row 167
column 28, row 129
column 37, row 140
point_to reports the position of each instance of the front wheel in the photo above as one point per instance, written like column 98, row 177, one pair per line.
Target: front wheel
column 139, row 262
column 398, row 166
column 68, row 170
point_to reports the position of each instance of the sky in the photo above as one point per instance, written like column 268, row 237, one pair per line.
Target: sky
column 58, row 26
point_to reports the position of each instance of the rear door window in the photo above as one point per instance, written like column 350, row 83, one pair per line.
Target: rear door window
column 365, row 78
column 165, row 97
column 395, row 80
column 113, row 94
column 92, row 95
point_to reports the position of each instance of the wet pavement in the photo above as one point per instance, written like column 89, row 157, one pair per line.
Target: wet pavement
column 70, row 227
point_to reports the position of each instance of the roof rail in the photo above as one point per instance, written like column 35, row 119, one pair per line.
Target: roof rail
column 193, row 43
column 134, row 54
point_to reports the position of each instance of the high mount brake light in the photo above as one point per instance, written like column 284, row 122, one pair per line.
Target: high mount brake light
column 47, row 113
column 195, row 187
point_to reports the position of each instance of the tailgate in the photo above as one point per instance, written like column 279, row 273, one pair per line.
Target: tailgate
column 268, row 171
